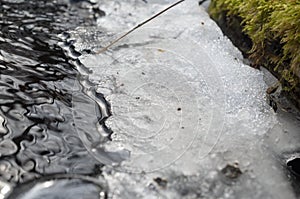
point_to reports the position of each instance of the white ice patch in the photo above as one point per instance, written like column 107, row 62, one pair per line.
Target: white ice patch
column 182, row 102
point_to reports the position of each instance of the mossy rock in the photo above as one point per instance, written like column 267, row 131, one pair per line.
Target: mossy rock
column 268, row 33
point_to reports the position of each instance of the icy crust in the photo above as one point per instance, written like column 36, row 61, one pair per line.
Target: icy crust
column 184, row 106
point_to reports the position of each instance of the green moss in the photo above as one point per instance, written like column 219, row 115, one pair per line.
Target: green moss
column 274, row 28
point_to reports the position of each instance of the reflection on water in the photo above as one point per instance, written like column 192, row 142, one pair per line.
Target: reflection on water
column 37, row 134
column 62, row 187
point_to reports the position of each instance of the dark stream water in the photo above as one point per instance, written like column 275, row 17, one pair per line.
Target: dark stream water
column 38, row 139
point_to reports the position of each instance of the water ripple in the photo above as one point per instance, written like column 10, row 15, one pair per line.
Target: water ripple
column 37, row 78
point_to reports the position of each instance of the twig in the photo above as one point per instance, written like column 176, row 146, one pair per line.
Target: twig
column 138, row 26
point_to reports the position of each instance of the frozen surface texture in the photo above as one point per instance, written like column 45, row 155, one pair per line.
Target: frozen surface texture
column 189, row 117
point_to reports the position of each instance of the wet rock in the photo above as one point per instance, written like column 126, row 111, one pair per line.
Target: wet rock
column 294, row 165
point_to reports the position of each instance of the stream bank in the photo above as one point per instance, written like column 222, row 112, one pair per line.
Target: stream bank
column 268, row 35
